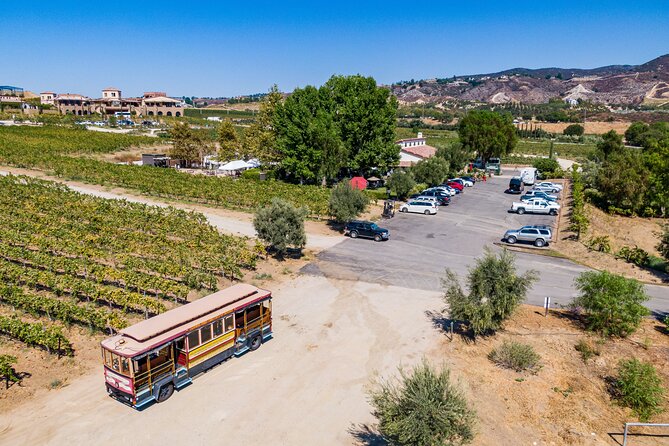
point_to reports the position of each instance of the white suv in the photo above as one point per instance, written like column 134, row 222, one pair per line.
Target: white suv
column 420, row 207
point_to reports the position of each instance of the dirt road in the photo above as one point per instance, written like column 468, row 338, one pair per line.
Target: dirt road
column 230, row 222
column 306, row 386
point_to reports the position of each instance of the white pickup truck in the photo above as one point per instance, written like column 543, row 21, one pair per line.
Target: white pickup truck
column 536, row 206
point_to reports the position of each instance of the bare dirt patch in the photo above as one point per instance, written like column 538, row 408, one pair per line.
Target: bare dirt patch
column 566, row 402
column 591, row 128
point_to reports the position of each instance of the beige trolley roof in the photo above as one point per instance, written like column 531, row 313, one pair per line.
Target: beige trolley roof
column 159, row 329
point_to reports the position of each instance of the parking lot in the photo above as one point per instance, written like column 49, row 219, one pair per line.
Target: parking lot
column 421, row 247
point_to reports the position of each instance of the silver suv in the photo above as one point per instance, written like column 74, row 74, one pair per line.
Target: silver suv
column 539, row 235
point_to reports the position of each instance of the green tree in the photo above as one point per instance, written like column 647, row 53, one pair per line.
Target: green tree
column 612, row 303
column 187, row 144
column 400, row 183
column 346, row 203
column 574, row 130
column 431, row 171
column 495, row 291
column 487, row 133
column 308, row 138
column 423, row 408
column 281, row 226
column 640, row 388
column 623, row 179
column 228, row 141
column 456, row 155
column 634, row 135
column 366, row 116
column 260, row 137
column 611, row 143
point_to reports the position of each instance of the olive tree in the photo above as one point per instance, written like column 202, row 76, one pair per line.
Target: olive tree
column 495, row 291
column 423, row 407
column 281, row 226
column 401, row 183
column 346, row 202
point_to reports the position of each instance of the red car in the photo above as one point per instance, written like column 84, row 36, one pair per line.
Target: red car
column 455, row 185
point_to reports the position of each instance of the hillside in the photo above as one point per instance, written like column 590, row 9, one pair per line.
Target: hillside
column 614, row 84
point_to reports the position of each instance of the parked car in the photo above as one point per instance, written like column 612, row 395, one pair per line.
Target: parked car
column 529, row 175
column 455, row 185
column 441, row 200
column 464, row 182
column 442, row 196
column 468, row 178
column 535, row 206
column 446, row 189
column 367, row 229
column 538, row 235
column 419, row 207
column 538, row 194
column 547, row 186
column 516, row 186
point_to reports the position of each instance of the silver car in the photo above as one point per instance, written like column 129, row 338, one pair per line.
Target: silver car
column 538, row 235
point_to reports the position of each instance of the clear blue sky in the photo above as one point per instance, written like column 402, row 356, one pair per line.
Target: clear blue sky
column 222, row 48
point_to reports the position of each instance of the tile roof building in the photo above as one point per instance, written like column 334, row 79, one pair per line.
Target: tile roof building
column 413, row 150
column 112, row 102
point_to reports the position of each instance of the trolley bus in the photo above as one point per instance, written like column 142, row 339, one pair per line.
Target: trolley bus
column 149, row 360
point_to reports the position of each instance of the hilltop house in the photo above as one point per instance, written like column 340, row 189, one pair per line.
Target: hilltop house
column 413, row 150
column 155, row 103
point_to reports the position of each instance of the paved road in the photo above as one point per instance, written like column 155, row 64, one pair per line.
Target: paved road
column 422, row 247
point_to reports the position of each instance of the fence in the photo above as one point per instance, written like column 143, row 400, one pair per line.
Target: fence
column 627, row 426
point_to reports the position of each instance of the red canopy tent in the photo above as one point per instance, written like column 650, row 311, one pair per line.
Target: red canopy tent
column 359, row 183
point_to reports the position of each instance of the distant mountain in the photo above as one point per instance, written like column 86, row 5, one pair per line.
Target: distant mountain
column 613, row 84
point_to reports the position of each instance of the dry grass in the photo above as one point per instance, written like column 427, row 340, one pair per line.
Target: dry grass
column 591, row 128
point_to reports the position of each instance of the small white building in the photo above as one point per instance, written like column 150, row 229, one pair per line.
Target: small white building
column 47, row 97
column 413, row 150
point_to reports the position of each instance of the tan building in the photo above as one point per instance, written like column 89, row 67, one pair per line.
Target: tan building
column 47, row 97
column 161, row 106
column 73, row 104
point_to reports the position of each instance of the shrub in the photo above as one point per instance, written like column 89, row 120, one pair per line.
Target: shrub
column 634, row 255
column 281, row 225
column 613, row 304
column 515, row 356
column 639, row 388
column 600, row 244
column 423, row 408
column 574, row 130
column 587, row 349
column 346, row 203
column 545, row 164
column 663, row 246
column 251, row 174
column 495, row 291
column 400, row 183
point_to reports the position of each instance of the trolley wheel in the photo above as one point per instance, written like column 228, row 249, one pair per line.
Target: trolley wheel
column 165, row 392
column 256, row 342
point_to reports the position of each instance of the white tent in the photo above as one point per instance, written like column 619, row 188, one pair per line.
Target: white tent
column 236, row 165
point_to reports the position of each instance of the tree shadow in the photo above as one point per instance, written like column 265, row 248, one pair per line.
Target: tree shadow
column 366, row 435
column 336, row 225
column 443, row 324
column 290, row 253
column 21, row 376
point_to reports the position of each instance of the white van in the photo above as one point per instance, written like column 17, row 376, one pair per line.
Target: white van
column 529, row 175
